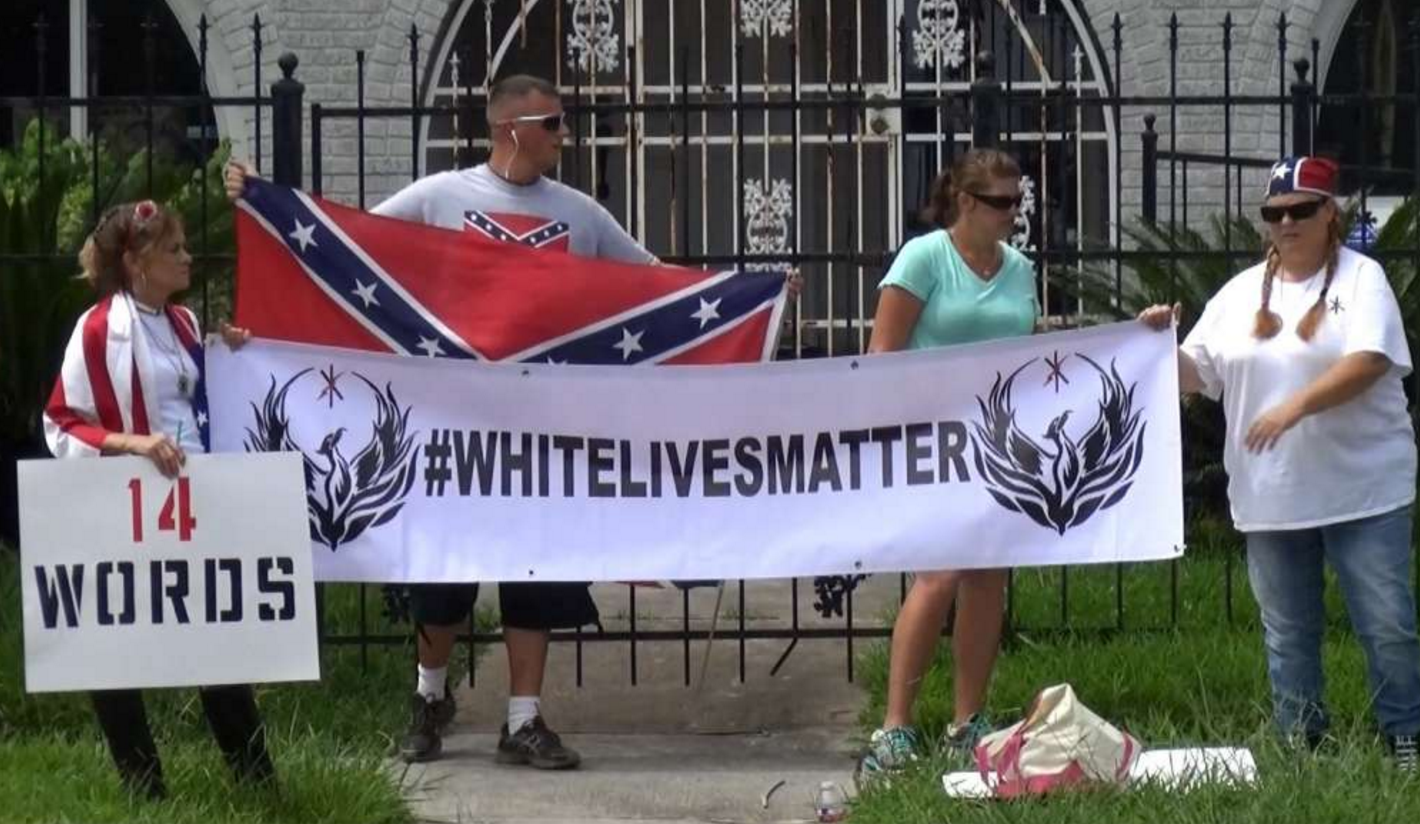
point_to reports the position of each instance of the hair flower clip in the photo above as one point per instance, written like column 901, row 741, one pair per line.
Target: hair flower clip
column 144, row 211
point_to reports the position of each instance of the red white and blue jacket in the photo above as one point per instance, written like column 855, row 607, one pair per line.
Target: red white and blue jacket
column 106, row 383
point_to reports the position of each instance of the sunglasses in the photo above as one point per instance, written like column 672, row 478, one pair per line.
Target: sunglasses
column 1297, row 211
column 550, row 122
column 1001, row 202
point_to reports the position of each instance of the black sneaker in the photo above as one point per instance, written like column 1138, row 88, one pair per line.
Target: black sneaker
column 536, row 745
column 1311, row 743
column 1303, row 742
column 1405, row 752
column 444, row 711
column 428, row 720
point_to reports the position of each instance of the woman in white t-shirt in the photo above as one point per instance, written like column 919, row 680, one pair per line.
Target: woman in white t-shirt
column 1307, row 351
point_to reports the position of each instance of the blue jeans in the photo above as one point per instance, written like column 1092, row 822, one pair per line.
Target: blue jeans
column 1371, row 557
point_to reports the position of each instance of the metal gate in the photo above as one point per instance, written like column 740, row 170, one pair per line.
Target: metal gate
column 791, row 132
column 778, row 133
column 761, row 145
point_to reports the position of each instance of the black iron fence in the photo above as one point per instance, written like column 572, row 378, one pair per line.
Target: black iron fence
column 55, row 189
column 1046, row 116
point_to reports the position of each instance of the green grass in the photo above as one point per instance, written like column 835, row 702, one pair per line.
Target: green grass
column 329, row 739
column 1201, row 683
column 1355, row 785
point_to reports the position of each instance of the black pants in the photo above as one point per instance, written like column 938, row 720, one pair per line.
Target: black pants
column 544, row 605
column 231, row 714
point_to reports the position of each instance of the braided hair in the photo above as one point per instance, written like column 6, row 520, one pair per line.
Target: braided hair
column 1268, row 322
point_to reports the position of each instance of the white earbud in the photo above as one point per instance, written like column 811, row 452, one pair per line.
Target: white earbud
column 516, row 148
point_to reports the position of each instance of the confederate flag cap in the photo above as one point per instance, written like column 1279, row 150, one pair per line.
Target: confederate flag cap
column 1316, row 175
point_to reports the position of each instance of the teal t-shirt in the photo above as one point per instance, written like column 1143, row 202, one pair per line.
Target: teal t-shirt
column 957, row 305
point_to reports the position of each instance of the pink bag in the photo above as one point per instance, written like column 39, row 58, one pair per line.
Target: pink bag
column 1059, row 743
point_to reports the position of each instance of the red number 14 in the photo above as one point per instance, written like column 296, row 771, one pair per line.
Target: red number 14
column 175, row 515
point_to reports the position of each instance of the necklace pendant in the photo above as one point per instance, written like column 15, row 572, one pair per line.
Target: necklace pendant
column 184, row 386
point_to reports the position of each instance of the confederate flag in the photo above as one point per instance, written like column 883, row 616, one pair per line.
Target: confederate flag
column 316, row 272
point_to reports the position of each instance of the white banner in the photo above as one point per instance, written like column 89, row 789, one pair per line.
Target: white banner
column 131, row 579
column 1052, row 449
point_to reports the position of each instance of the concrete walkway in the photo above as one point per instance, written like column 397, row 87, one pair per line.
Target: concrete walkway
column 686, row 777
column 662, row 751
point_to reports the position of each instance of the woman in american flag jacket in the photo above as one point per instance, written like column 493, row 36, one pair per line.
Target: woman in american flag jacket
column 132, row 384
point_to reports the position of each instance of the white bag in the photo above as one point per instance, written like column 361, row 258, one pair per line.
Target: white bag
column 1060, row 742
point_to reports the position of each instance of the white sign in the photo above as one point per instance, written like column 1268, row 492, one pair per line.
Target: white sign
column 1179, row 770
column 1051, row 449
column 131, row 579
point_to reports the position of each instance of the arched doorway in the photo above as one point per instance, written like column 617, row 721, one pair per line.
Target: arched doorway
column 748, row 145
column 1377, row 60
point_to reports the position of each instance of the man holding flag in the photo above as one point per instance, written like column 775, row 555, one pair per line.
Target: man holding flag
column 507, row 199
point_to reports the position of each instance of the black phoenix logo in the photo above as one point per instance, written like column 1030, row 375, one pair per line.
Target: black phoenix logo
column 344, row 496
column 1061, row 483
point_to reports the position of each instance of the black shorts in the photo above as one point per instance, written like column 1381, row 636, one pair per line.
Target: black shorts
column 525, row 605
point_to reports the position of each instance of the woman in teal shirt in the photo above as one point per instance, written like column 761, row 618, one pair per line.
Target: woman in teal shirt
column 960, row 284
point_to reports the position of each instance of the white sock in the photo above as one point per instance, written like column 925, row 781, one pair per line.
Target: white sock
column 432, row 681
column 521, row 710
